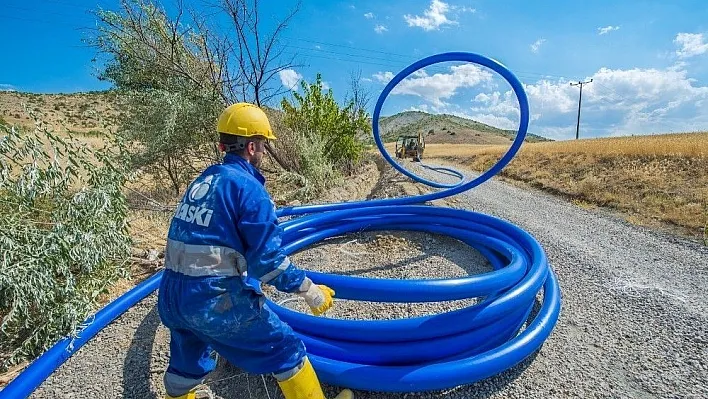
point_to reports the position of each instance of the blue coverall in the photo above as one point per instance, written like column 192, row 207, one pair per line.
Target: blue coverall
column 224, row 237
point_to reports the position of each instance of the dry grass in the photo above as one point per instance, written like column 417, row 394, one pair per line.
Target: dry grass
column 688, row 144
column 653, row 180
column 87, row 114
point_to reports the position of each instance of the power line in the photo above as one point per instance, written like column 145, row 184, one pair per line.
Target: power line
column 580, row 99
column 361, row 61
column 44, row 11
column 48, row 23
column 399, row 61
column 337, row 53
column 349, row 47
column 614, row 93
column 407, row 59
column 67, row 4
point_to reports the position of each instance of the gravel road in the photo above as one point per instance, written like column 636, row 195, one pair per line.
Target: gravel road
column 633, row 322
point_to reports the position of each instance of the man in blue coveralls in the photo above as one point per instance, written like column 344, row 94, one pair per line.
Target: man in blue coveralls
column 224, row 240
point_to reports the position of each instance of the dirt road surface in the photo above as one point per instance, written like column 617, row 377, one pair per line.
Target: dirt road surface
column 633, row 322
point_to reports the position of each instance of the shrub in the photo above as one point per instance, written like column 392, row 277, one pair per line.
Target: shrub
column 315, row 172
column 64, row 234
column 318, row 117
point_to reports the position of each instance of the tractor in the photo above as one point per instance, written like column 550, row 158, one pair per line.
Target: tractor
column 410, row 146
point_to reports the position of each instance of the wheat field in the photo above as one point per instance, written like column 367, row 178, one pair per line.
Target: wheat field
column 687, row 144
column 659, row 180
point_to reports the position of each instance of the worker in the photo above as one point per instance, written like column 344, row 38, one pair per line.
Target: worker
column 223, row 241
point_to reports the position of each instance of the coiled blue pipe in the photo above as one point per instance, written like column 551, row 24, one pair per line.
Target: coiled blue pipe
column 417, row 354
column 438, row 351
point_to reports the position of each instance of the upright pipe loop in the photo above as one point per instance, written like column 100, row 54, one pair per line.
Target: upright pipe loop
column 503, row 327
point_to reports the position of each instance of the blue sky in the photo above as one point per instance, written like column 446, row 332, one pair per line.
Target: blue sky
column 648, row 59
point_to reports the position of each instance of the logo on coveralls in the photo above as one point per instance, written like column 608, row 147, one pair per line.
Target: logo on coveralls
column 201, row 189
column 196, row 213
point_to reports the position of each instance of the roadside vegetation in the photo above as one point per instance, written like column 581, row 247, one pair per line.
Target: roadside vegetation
column 63, row 233
column 79, row 207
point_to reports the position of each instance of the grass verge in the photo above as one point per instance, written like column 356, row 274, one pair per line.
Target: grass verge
column 652, row 180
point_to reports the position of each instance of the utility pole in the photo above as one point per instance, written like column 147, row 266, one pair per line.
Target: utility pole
column 580, row 100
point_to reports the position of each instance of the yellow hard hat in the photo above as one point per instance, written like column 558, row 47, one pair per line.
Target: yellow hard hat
column 245, row 119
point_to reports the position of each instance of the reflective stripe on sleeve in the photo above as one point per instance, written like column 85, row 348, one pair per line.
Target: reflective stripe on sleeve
column 275, row 273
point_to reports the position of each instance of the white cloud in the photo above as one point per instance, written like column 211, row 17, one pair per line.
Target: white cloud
column 432, row 18
column 500, row 122
column 607, row 29
column 318, row 47
column 691, row 44
column 467, row 9
column 440, row 86
column 537, row 45
column 383, row 77
column 369, row 15
column 325, row 86
column 483, row 98
column 7, row 87
column 617, row 102
column 380, row 29
column 367, row 79
column 418, row 108
column 289, row 78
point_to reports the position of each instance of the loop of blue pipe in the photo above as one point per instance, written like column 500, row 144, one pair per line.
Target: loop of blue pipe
column 451, row 190
column 408, row 355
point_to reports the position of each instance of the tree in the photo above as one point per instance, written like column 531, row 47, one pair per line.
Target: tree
column 176, row 74
column 260, row 56
column 359, row 95
column 317, row 115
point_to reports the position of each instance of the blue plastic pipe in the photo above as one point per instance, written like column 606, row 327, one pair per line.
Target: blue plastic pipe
column 42, row 367
column 435, row 351
column 408, row 355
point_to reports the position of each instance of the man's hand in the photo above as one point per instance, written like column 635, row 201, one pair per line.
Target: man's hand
column 318, row 297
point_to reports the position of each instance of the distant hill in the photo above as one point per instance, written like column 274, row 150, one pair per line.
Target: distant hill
column 444, row 128
column 96, row 112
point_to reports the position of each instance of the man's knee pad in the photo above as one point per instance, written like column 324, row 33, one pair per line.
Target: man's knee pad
column 176, row 385
column 289, row 373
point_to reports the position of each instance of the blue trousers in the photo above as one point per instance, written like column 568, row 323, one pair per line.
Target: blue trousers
column 206, row 314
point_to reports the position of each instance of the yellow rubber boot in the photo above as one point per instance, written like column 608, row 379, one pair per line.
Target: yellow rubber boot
column 305, row 385
column 188, row 395
column 345, row 394
column 199, row 392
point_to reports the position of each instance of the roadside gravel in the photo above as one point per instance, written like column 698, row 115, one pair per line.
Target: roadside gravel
column 632, row 324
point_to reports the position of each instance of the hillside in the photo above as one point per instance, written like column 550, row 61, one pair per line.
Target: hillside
column 446, row 129
column 89, row 114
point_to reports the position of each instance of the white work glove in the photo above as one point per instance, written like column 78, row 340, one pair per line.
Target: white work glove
column 318, row 297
